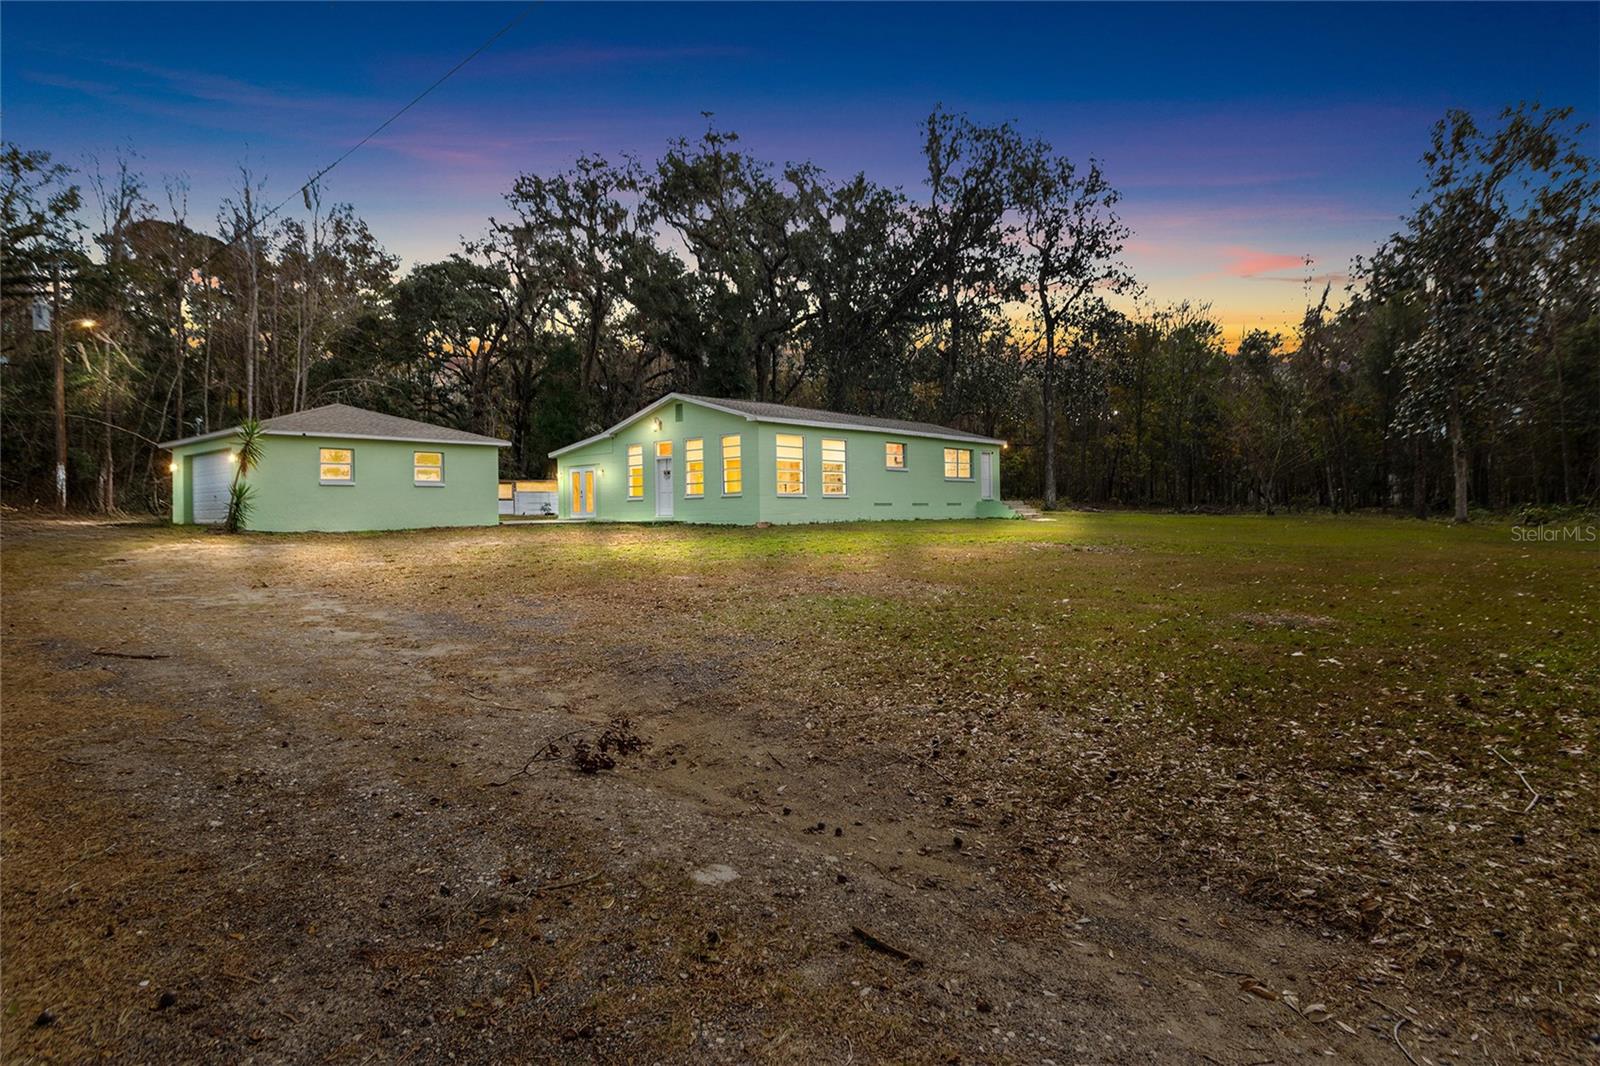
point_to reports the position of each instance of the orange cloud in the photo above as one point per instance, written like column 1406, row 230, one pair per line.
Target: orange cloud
column 1248, row 263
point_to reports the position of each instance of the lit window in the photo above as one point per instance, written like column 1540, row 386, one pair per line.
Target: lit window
column 427, row 468
column 894, row 456
column 663, row 449
column 832, row 467
column 958, row 464
column 338, row 466
column 636, row 471
column 506, row 490
column 791, row 479
column 694, row 467
column 732, row 465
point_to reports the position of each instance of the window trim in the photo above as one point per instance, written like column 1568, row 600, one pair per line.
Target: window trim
column 634, row 449
column 688, row 458
column 957, row 477
column 844, row 468
column 777, row 479
column 414, row 465
column 722, row 454
column 351, row 463
column 905, row 461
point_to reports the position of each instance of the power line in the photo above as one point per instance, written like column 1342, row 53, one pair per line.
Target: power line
column 415, row 100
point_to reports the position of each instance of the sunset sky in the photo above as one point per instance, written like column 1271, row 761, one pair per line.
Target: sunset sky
column 1242, row 137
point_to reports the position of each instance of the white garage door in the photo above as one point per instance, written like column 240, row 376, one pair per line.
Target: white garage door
column 209, row 475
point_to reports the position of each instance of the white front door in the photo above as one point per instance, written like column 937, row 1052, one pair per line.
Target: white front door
column 210, row 476
column 986, row 475
column 664, row 487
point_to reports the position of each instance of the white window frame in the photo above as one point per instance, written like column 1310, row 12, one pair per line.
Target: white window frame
column 694, row 454
column 887, row 465
column 415, row 466
column 841, row 449
column 778, row 458
column 953, row 455
column 322, row 463
column 738, row 457
column 635, row 463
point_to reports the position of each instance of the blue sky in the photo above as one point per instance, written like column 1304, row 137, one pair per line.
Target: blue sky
column 1242, row 136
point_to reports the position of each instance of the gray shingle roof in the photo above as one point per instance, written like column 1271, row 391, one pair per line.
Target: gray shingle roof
column 342, row 420
column 775, row 412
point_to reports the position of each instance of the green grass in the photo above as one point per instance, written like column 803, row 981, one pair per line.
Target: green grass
column 1316, row 711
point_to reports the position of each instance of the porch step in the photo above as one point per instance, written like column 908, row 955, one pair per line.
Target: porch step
column 1024, row 510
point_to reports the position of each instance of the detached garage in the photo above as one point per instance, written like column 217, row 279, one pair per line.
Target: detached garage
column 341, row 468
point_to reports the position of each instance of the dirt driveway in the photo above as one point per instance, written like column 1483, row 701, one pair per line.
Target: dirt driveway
column 295, row 799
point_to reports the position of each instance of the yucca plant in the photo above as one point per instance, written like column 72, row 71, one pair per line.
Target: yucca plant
column 240, row 493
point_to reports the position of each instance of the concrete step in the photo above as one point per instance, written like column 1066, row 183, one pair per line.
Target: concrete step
column 1023, row 510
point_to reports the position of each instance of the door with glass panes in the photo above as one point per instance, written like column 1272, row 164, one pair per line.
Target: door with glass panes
column 581, row 499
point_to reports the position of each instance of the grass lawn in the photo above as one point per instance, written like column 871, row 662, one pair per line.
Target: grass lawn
column 1325, row 713
column 1379, row 735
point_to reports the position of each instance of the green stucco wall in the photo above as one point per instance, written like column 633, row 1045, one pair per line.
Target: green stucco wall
column 609, row 458
column 872, row 491
column 289, row 495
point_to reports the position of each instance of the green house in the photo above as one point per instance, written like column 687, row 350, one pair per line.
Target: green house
column 698, row 459
column 341, row 468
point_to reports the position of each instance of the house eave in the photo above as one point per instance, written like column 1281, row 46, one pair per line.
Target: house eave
column 234, row 432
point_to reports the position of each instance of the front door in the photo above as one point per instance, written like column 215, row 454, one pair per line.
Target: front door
column 986, row 475
column 582, row 504
column 664, row 487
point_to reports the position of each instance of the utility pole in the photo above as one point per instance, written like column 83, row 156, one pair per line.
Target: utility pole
column 61, row 387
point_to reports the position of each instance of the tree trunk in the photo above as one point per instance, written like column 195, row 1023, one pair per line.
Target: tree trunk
column 1561, row 427
column 1049, row 398
column 61, row 391
column 252, row 330
column 108, row 472
column 1458, row 457
column 1419, row 478
column 205, row 373
column 274, row 351
column 180, row 355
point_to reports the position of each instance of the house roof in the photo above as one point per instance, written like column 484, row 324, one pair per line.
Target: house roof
column 342, row 420
column 787, row 414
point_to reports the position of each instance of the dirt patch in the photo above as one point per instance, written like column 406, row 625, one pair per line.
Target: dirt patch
column 323, row 828
column 1285, row 620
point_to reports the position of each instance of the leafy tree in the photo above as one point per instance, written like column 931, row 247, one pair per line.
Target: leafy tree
column 1073, row 238
column 964, row 237
column 40, row 247
column 1495, row 218
column 456, row 314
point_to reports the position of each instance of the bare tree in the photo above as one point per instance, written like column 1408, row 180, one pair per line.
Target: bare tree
column 241, row 219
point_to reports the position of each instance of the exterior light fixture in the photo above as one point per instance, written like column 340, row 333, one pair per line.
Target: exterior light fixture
column 172, row 467
column 655, row 424
column 232, row 458
column 86, row 323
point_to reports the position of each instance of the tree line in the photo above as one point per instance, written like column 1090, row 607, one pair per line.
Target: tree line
column 1460, row 368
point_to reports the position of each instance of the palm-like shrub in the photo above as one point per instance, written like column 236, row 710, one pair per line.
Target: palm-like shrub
column 240, row 492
